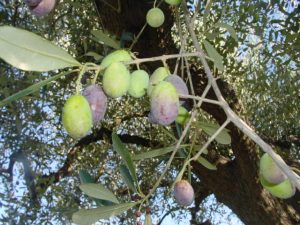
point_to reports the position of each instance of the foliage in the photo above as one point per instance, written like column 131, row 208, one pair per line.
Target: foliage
column 255, row 52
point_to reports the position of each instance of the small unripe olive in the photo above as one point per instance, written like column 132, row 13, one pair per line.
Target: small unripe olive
column 139, row 81
column 183, row 193
column 173, row 2
column 40, row 8
column 183, row 116
column 157, row 76
column 270, row 171
column 116, row 80
column 77, row 116
column 155, row 17
column 120, row 55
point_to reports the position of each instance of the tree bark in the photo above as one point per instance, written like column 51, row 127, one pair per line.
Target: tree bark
column 235, row 183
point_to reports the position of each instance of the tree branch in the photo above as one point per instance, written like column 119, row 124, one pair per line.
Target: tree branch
column 19, row 156
column 97, row 135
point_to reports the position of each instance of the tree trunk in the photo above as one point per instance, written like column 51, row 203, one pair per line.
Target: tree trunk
column 235, row 183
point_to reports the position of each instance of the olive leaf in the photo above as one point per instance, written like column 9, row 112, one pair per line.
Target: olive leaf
column 121, row 149
column 98, row 191
column 103, row 37
column 229, row 28
column 31, row 89
column 30, row 52
column 90, row 216
column 212, row 53
column 210, row 128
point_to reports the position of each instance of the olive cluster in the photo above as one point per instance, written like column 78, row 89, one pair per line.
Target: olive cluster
column 81, row 112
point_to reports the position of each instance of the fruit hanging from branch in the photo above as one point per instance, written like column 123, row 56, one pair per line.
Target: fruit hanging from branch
column 179, row 84
column 97, row 101
column 183, row 193
column 77, row 116
column 164, row 104
column 155, row 17
column 270, row 171
column 273, row 179
column 139, row 81
column 40, row 7
column 157, row 76
column 116, row 80
column 120, row 55
column 173, row 2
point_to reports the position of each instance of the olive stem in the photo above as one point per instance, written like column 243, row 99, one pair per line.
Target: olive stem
column 150, row 59
column 78, row 82
column 137, row 37
column 96, row 74
column 201, row 98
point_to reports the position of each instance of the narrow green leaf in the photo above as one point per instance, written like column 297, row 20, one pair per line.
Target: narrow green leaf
column 31, row 89
column 106, row 39
column 30, row 52
column 154, row 153
column 210, row 128
column 212, row 53
column 229, row 29
column 95, row 55
column 206, row 12
column 98, row 191
column 127, row 178
column 158, row 152
column 206, row 163
column 85, row 177
column 67, row 213
column 121, row 149
column 90, row 216
column 212, row 35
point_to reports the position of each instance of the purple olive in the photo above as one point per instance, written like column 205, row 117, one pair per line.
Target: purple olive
column 40, row 7
column 97, row 101
column 183, row 193
column 32, row 3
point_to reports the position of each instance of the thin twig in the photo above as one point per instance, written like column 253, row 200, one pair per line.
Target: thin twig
column 201, row 98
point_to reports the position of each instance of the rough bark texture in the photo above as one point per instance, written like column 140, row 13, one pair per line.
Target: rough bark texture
column 235, row 183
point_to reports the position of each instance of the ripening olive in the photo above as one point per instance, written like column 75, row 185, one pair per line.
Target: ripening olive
column 183, row 193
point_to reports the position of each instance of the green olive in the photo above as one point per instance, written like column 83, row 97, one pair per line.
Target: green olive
column 155, row 17
column 116, row 80
column 77, row 116
column 139, row 82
